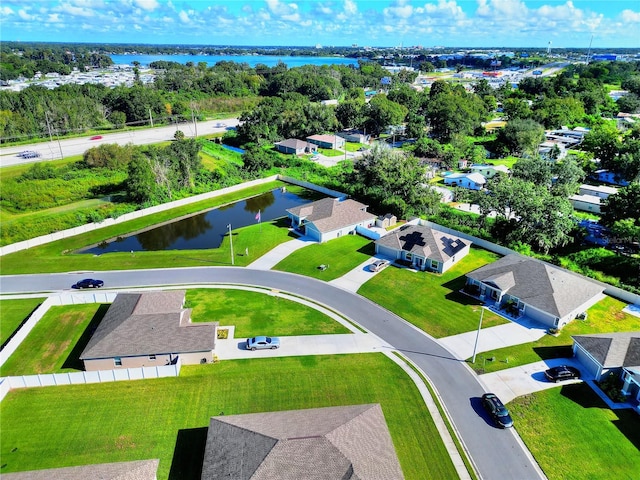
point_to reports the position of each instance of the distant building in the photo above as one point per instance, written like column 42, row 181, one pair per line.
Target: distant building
column 586, row 203
column 327, row 141
column 489, row 171
column 607, row 176
column 296, row 147
column 472, row 181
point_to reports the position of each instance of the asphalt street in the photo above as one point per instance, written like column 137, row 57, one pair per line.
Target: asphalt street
column 497, row 454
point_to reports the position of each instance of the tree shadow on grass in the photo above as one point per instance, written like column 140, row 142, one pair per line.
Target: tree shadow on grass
column 582, row 394
column 188, row 454
column 73, row 360
column 456, row 296
column 19, row 326
column 628, row 423
column 368, row 249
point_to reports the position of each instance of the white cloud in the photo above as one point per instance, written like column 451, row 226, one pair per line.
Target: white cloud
column 148, row 5
column 6, row 11
column 22, row 13
column 350, row 7
column 399, row 9
column 629, row 16
column 75, row 11
column 137, row 27
column 54, row 18
column 287, row 11
column 184, row 17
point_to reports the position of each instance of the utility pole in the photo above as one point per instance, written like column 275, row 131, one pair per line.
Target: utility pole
column 193, row 118
column 231, row 243
column 589, row 51
column 150, row 118
column 475, row 346
column 46, row 116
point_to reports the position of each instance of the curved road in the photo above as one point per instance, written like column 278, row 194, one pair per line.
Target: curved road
column 498, row 454
column 54, row 150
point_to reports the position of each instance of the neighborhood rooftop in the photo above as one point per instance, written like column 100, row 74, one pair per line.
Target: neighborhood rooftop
column 620, row 349
column 136, row 470
column 148, row 323
column 331, row 443
column 424, row 241
column 331, row 214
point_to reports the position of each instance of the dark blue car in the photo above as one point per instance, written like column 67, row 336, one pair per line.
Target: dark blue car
column 88, row 283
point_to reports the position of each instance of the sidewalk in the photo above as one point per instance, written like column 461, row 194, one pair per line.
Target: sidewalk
column 274, row 256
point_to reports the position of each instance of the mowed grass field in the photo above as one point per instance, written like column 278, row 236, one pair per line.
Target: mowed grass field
column 258, row 313
column 604, row 317
column 574, row 436
column 167, row 418
column 430, row 301
column 13, row 313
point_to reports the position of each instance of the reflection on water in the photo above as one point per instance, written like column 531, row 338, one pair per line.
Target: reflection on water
column 205, row 230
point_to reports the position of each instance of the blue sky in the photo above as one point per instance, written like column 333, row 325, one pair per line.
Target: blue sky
column 465, row 23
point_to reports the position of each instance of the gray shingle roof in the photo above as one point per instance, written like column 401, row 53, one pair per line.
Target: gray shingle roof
column 612, row 350
column 146, row 324
column 296, row 144
column 333, row 443
column 551, row 289
column 331, row 214
column 424, row 241
column 137, row 470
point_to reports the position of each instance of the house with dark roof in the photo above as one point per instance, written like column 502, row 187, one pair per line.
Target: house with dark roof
column 135, row 470
column 330, row 218
column 601, row 353
column 149, row 329
column 424, row 248
column 543, row 292
column 332, row 443
column 296, row 147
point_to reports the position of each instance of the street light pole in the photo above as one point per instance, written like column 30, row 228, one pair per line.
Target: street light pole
column 475, row 346
column 230, row 242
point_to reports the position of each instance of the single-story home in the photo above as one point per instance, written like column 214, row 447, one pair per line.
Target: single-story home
column 446, row 195
column 327, row 141
column 295, row 146
column 424, row 248
column 586, row 203
column 134, row 470
column 355, row 136
column 472, row 181
column 330, row 218
column 552, row 148
column 331, row 443
column 600, row 353
column 489, row 171
column 543, row 292
column 602, row 191
column 149, row 329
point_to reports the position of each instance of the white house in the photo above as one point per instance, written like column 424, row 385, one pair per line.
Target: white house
column 601, row 191
column 472, row 181
column 586, row 203
column 489, row 171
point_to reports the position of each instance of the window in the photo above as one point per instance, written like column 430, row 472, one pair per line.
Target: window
column 434, row 264
column 152, row 357
column 409, row 256
column 117, row 361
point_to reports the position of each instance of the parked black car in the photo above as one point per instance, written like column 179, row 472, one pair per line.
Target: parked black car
column 88, row 283
column 562, row 372
column 497, row 410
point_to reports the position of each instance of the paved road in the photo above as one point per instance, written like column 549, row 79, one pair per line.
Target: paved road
column 498, row 454
column 54, row 150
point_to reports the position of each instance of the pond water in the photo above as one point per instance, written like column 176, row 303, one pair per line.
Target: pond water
column 207, row 229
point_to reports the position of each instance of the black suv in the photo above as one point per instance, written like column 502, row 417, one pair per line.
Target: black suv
column 497, row 410
column 562, row 372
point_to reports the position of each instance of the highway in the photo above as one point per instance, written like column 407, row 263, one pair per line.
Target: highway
column 54, row 149
column 497, row 454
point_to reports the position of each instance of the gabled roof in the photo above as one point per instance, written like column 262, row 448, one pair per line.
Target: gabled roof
column 424, row 241
column 474, row 177
column 612, row 350
column 148, row 323
column 333, row 443
column 539, row 284
column 497, row 168
column 324, row 138
column 136, row 470
column 331, row 214
column 295, row 144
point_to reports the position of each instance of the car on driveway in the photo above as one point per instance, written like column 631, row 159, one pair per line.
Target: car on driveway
column 562, row 372
column 88, row 283
column 379, row 265
column 497, row 410
column 263, row 343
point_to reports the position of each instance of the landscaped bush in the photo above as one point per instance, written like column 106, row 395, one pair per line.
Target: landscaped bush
column 611, row 385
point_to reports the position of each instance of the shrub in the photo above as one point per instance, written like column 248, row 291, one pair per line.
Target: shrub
column 611, row 386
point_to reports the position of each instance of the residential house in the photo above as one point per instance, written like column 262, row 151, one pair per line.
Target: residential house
column 446, row 195
column 525, row 286
column 552, row 150
column 472, row 181
column 295, row 146
column 586, row 203
column 149, row 329
column 330, row 218
column 327, row 141
column 607, row 176
column 423, row 248
column 134, row 470
column 601, row 191
column 331, row 443
column 489, row 171
column 355, row 136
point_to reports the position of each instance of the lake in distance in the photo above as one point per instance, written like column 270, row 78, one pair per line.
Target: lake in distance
column 252, row 60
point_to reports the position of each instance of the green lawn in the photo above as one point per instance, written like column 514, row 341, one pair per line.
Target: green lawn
column 167, row 418
column 341, row 255
column 606, row 316
column 13, row 313
column 432, row 302
column 59, row 257
column 56, row 342
column 574, row 436
column 254, row 313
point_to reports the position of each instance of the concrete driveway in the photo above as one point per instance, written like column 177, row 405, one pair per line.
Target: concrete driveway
column 514, row 382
